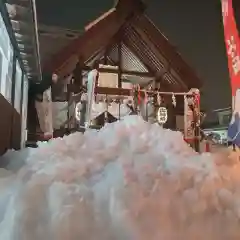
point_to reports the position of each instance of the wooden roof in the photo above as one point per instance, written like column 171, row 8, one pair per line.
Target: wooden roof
column 143, row 47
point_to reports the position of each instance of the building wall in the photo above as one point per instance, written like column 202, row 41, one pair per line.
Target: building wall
column 13, row 91
column 10, row 126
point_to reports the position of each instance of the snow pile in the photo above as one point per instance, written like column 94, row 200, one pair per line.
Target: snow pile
column 131, row 180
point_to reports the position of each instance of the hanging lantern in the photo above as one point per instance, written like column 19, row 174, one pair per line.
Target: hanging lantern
column 162, row 115
column 159, row 99
column 174, row 100
column 78, row 111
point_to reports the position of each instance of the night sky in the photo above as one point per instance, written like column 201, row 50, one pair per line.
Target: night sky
column 194, row 27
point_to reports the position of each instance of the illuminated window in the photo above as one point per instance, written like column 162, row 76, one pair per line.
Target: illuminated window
column 6, row 56
column 18, row 83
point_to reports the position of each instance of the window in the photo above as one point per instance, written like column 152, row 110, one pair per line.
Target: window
column 18, row 83
column 1, row 64
column 24, row 111
column 226, row 119
column 8, row 76
column 4, row 40
column 6, row 56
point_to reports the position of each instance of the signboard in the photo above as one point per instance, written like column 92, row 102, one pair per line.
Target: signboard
column 233, row 53
column 188, row 119
column 232, row 44
column 162, row 115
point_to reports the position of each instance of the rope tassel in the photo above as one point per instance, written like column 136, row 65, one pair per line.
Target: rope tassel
column 174, row 100
column 159, row 99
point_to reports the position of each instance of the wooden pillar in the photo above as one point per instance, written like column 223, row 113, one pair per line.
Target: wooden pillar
column 13, row 99
column 171, row 122
column 119, row 64
column 105, row 58
column 22, row 94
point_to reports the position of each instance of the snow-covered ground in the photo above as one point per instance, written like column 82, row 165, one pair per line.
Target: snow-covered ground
column 129, row 181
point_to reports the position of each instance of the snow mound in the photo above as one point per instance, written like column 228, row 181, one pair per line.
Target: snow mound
column 131, row 180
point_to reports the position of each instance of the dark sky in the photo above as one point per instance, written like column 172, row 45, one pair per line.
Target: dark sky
column 194, row 27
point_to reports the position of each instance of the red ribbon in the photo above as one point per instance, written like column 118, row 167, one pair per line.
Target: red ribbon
column 197, row 99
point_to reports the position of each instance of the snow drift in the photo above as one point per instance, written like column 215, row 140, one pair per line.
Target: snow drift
column 129, row 181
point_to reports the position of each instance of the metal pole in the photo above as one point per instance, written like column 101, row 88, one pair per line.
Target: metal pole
column 119, row 109
column 106, row 111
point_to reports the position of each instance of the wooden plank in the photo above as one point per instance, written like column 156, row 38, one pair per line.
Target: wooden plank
column 155, row 50
column 127, row 92
column 141, row 58
column 126, row 72
column 113, row 91
column 89, row 42
column 119, row 64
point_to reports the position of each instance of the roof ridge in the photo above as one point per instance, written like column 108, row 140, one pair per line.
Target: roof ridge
column 122, row 3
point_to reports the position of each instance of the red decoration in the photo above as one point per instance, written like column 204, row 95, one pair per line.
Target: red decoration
column 232, row 44
column 139, row 94
column 197, row 99
column 207, row 146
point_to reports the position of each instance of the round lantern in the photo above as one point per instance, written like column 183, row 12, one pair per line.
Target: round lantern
column 162, row 115
column 78, row 111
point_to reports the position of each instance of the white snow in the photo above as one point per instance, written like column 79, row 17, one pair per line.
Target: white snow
column 129, row 181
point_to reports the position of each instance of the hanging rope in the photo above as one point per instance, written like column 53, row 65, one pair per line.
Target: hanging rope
column 174, row 100
column 145, row 97
column 159, row 99
column 139, row 94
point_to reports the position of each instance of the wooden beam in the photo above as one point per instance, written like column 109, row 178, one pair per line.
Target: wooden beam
column 126, row 72
column 107, row 50
column 159, row 55
column 95, row 36
column 145, row 63
column 127, row 92
column 105, row 59
column 113, row 91
column 119, row 63
column 169, row 52
column 133, row 44
column 90, row 41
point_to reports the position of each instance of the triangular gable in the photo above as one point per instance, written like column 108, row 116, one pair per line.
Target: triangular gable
column 143, row 42
column 130, row 61
column 97, row 35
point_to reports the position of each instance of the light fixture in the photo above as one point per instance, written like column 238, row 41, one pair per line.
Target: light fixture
column 78, row 111
column 162, row 115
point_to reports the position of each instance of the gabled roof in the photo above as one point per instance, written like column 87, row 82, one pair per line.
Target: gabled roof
column 21, row 21
column 52, row 39
column 140, row 39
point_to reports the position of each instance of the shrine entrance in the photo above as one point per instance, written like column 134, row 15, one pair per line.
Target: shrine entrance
column 135, row 61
